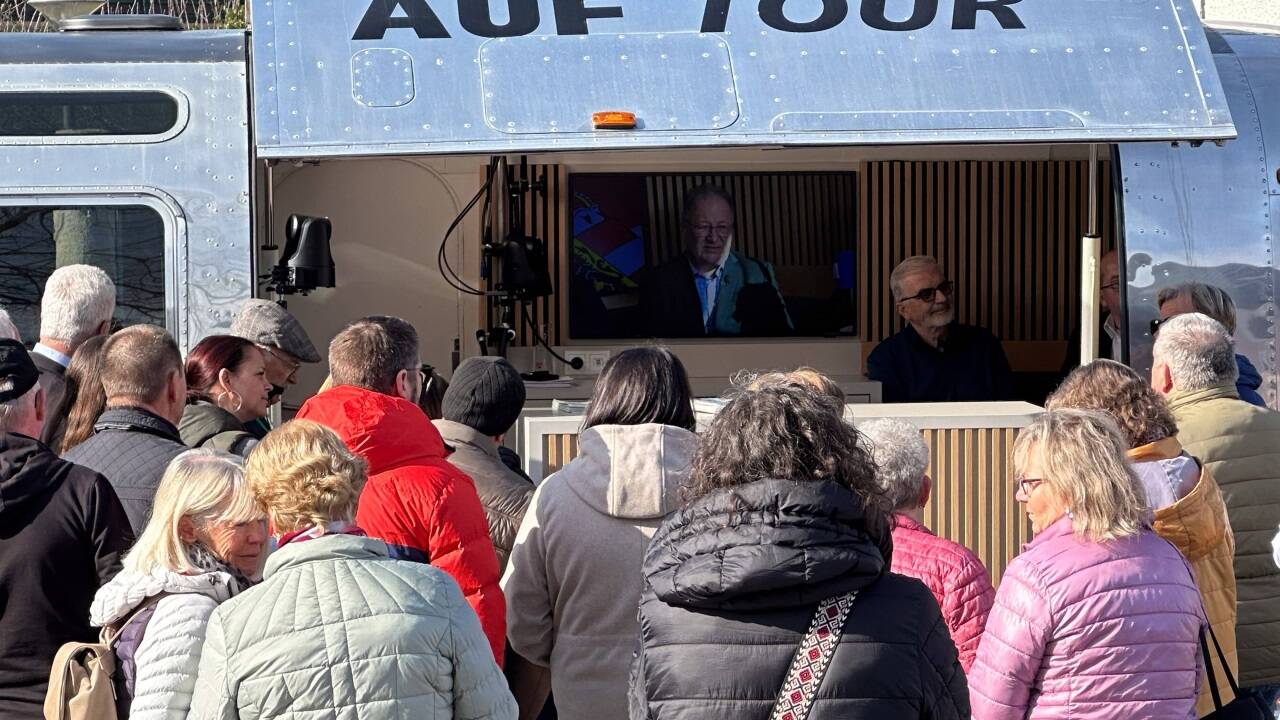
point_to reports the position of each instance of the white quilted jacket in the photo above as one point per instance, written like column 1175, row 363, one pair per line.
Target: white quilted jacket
column 169, row 655
column 339, row 631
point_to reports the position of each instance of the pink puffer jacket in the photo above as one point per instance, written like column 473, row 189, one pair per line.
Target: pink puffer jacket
column 957, row 578
column 1083, row 630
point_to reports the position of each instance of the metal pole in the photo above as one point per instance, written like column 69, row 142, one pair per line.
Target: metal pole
column 1091, row 257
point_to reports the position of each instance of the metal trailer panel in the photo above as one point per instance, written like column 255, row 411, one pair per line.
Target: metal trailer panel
column 1208, row 214
column 196, row 175
column 396, row 77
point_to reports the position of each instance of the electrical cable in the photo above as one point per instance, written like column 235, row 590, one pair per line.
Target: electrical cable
column 442, row 258
column 576, row 363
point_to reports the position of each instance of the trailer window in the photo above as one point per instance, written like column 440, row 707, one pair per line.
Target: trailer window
column 35, row 114
column 127, row 241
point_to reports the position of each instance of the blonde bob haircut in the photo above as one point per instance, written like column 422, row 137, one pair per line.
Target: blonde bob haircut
column 303, row 475
column 206, row 486
column 1082, row 453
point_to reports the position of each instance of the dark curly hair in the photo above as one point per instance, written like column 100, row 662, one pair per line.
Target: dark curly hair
column 777, row 428
column 1141, row 412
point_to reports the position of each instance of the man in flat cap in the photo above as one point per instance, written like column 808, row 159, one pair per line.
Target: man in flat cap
column 284, row 344
column 62, row 535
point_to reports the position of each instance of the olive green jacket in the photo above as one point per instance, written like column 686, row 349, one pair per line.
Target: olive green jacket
column 1240, row 444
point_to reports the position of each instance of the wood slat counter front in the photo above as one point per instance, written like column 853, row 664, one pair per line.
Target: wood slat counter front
column 971, row 463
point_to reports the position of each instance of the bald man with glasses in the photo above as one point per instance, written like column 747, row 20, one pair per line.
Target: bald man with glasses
column 935, row 358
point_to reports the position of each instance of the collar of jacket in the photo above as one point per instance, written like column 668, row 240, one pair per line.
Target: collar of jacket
column 907, row 522
column 1197, row 523
column 1180, row 399
column 1166, row 449
column 459, row 434
column 136, row 419
column 1057, row 528
column 326, row 547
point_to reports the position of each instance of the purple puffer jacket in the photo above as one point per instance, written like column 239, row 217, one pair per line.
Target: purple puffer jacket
column 1091, row 631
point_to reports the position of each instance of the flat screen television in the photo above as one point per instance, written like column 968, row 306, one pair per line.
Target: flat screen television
column 707, row 255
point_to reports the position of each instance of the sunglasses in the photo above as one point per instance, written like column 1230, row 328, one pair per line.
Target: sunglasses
column 1155, row 326
column 928, row 294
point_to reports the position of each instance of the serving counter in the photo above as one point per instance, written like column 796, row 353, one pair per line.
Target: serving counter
column 971, row 463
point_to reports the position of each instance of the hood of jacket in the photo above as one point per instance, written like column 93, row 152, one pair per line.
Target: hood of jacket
column 28, row 469
column 1197, row 523
column 769, row 544
column 1249, row 375
column 633, row 472
column 202, row 420
column 388, row 432
column 129, row 589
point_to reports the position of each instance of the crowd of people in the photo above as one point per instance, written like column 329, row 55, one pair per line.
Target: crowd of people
column 383, row 555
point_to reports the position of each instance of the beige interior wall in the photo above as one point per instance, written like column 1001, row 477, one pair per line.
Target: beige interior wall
column 388, row 219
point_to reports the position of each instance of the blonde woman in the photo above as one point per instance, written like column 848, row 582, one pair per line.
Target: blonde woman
column 202, row 546
column 1098, row 617
column 1188, row 505
column 337, row 628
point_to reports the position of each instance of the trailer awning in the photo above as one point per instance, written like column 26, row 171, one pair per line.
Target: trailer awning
column 379, row 77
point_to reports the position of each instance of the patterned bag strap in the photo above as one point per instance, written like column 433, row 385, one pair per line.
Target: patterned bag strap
column 812, row 659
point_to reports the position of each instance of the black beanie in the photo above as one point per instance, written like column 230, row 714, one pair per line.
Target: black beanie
column 486, row 394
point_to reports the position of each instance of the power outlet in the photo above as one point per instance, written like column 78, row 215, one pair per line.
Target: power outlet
column 585, row 357
column 596, row 361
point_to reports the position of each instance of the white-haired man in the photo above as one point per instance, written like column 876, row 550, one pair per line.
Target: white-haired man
column 1195, row 365
column 935, row 358
column 956, row 577
column 62, row 535
column 77, row 304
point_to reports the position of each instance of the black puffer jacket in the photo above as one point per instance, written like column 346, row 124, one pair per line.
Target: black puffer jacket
column 131, row 447
column 731, row 584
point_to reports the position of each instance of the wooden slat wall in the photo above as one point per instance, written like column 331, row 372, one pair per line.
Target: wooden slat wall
column 972, row 502
column 1007, row 232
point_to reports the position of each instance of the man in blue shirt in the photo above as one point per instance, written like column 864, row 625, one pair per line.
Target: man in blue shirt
column 710, row 290
column 1215, row 302
column 935, row 358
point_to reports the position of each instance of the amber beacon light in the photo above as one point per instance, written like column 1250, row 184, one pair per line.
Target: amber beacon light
column 613, row 120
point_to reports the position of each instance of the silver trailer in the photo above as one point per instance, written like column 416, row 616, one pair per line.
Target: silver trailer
column 192, row 132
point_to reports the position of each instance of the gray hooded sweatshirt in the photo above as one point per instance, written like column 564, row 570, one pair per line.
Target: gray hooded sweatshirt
column 573, row 582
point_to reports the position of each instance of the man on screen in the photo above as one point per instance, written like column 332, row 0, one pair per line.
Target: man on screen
column 935, row 358
column 710, row 290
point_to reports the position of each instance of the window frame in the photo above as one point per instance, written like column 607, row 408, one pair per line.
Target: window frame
column 162, row 203
column 180, row 123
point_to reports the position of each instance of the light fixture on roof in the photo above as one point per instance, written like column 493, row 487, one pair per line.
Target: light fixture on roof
column 58, row 10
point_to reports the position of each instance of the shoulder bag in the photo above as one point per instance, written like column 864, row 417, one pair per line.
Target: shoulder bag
column 813, row 658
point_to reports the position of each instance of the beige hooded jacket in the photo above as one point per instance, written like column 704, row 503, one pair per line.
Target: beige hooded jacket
column 573, row 582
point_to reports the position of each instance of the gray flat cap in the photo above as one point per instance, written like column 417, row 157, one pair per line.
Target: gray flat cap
column 266, row 323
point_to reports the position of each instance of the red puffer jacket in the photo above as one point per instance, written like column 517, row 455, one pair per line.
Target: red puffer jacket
column 955, row 576
column 424, row 508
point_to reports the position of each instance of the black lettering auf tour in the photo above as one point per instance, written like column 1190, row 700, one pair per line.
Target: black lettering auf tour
column 572, row 16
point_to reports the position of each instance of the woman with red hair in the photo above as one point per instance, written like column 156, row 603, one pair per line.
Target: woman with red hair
column 226, row 387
